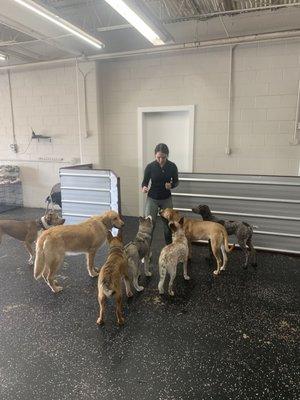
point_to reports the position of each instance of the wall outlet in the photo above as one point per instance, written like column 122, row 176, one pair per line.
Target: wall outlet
column 228, row 151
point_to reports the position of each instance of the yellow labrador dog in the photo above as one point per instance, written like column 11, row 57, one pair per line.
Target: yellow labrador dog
column 85, row 237
column 197, row 230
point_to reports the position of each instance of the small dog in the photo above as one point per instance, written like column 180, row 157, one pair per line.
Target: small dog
column 27, row 231
column 85, row 237
column 196, row 230
column 242, row 230
column 139, row 249
column 173, row 254
column 110, row 277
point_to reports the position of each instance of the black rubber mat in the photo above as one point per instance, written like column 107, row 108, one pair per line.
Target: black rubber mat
column 231, row 337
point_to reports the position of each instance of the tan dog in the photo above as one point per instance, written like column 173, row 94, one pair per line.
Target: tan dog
column 110, row 278
column 196, row 230
column 27, row 231
column 173, row 254
column 85, row 237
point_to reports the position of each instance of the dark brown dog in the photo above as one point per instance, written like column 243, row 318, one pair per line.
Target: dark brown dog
column 27, row 231
column 110, row 277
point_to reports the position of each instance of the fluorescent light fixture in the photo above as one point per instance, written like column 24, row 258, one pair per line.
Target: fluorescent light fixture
column 3, row 57
column 122, row 8
column 62, row 23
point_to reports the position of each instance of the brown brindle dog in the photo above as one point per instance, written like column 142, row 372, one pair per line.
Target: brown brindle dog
column 110, row 278
column 85, row 237
column 196, row 230
column 27, row 231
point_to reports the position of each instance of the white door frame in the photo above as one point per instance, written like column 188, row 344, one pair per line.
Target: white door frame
column 141, row 139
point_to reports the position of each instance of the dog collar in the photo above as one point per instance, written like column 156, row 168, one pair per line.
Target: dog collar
column 111, row 249
column 43, row 224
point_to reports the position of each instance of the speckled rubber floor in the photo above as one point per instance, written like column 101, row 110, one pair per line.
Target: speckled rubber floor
column 232, row 337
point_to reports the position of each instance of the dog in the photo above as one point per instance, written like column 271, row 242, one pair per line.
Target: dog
column 139, row 249
column 242, row 230
column 54, row 197
column 85, row 237
column 110, row 277
column 196, row 230
column 173, row 254
column 27, row 231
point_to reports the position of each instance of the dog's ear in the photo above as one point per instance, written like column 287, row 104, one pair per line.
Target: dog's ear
column 181, row 221
column 141, row 219
column 172, row 226
column 109, row 236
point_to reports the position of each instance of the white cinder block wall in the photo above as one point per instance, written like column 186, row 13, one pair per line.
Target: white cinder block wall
column 264, row 95
column 46, row 100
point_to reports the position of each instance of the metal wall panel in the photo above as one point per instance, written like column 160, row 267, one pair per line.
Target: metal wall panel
column 270, row 203
column 86, row 192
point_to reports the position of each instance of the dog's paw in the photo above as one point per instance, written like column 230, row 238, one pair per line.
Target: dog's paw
column 93, row 273
column 161, row 290
column 222, row 268
column 171, row 293
column 148, row 273
column 187, row 278
column 216, row 272
column 30, row 261
column 121, row 321
column 57, row 289
column 139, row 288
column 129, row 294
column 100, row 321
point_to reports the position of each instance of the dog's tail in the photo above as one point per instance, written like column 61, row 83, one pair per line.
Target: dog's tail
column 39, row 259
column 228, row 248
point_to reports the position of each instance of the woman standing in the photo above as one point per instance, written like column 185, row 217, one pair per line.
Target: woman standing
column 164, row 177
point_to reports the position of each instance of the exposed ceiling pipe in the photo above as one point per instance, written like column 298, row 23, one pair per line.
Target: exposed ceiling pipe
column 291, row 34
column 296, row 138
column 202, row 16
column 78, row 112
column 228, row 149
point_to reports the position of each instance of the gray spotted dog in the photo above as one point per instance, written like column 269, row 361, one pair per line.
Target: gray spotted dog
column 173, row 254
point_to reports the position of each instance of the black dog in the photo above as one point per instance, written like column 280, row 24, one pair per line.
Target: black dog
column 241, row 230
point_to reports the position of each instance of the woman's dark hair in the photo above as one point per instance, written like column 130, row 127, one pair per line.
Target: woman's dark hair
column 161, row 147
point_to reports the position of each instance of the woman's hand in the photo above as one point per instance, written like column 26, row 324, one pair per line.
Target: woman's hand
column 168, row 185
column 145, row 189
